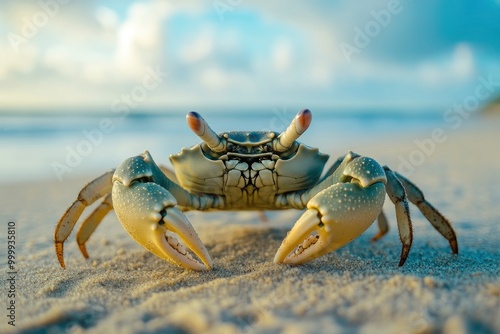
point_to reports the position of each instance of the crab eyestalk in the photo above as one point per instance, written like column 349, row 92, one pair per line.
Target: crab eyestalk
column 201, row 129
column 298, row 126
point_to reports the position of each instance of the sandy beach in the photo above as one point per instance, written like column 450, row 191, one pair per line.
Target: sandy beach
column 123, row 288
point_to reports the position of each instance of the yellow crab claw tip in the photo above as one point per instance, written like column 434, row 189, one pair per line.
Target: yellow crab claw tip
column 176, row 222
column 292, row 250
column 166, row 246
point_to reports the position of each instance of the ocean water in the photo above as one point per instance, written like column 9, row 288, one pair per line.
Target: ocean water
column 56, row 147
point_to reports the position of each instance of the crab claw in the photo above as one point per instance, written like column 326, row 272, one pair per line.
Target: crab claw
column 149, row 214
column 331, row 221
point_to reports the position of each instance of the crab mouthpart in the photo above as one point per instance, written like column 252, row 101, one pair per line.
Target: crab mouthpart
column 307, row 240
column 168, row 247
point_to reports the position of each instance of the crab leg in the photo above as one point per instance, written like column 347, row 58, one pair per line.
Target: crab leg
column 397, row 194
column 90, row 224
column 440, row 223
column 88, row 195
column 383, row 226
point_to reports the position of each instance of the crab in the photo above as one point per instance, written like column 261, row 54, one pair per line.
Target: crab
column 259, row 170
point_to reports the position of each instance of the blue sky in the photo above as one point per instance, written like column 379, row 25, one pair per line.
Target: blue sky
column 70, row 56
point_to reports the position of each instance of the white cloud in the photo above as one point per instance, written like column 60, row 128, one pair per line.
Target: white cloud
column 140, row 38
column 260, row 52
column 462, row 63
column 13, row 63
column 282, row 56
column 200, row 48
column 97, row 70
column 458, row 66
column 107, row 18
column 214, row 77
column 61, row 60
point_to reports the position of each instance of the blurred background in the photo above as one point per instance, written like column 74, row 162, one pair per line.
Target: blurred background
column 85, row 84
